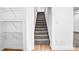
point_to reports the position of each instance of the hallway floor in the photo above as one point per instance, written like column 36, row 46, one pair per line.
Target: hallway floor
column 76, row 49
column 42, row 48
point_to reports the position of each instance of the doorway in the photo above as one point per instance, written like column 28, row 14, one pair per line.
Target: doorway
column 41, row 34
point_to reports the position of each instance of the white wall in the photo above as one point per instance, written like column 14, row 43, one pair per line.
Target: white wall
column 30, row 28
column 17, row 23
column 63, row 28
column 76, row 20
column 41, row 9
column 35, row 15
column 11, row 23
column 49, row 20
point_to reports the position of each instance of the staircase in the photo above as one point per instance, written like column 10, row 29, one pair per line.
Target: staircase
column 41, row 32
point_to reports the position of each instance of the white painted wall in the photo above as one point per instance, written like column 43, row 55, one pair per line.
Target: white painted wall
column 76, row 20
column 22, row 24
column 50, row 28
column 1, row 39
column 40, row 9
column 11, row 27
column 63, row 28
column 48, row 15
column 30, row 28
column 35, row 15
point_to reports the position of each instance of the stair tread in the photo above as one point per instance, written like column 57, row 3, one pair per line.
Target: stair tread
column 40, row 34
column 41, row 37
column 40, row 29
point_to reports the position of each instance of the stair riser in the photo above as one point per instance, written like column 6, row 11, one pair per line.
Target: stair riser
column 41, row 33
column 41, row 27
column 40, row 21
column 41, row 43
column 43, row 24
column 41, row 37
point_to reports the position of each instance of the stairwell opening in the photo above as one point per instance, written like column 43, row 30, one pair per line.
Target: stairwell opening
column 41, row 36
column 41, row 31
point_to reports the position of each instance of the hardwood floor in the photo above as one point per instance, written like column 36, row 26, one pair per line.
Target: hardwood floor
column 76, row 49
column 10, row 49
column 42, row 48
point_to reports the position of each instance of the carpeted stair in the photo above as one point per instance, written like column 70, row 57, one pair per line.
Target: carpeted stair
column 41, row 31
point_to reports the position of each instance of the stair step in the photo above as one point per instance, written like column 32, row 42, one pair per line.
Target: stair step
column 40, row 22
column 41, row 37
column 40, row 16
column 42, row 42
column 40, row 29
column 40, row 19
column 41, row 26
column 41, row 33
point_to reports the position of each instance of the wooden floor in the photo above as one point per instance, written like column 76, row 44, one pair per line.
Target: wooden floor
column 10, row 49
column 76, row 49
column 42, row 48
column 47, row 48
